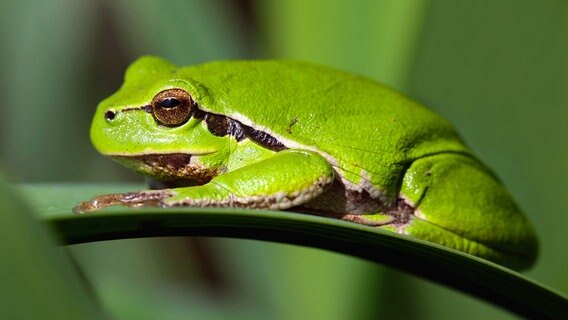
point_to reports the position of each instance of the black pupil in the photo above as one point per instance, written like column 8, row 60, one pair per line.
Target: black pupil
column 170, row 103
column 109, row 115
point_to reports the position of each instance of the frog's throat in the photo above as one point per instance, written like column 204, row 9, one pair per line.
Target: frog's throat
column 169, row 167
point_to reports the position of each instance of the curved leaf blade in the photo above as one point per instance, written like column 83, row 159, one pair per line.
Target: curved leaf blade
column 461, row 271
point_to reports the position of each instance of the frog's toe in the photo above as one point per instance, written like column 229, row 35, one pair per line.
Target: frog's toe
column 129, row 199
column 372, row 220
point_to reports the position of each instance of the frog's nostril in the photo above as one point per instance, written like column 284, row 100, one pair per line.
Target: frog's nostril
column 109, row 115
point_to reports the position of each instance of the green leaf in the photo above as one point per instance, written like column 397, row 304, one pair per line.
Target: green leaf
column 38, row 281
column 464, row 272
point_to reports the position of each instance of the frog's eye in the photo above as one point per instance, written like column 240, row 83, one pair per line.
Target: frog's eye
column 172, row 107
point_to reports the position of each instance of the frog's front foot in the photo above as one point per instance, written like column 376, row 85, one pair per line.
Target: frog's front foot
column 129, row 199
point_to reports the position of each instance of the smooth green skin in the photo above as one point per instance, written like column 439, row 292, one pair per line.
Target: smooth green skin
column 336, row 125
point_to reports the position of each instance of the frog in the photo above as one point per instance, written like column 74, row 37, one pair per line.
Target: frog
column 298, row 136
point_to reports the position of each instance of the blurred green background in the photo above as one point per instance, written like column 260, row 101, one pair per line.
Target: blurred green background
column 497, row 69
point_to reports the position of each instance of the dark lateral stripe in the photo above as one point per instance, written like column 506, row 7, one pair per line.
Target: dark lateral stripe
column 220, row 125
column 264, row 139
column 236, row 129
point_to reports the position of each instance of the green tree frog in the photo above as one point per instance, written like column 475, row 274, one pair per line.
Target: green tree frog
column 293, row 135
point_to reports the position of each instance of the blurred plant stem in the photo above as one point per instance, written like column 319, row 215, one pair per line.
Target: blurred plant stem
column 324, row 32
column 387, row 34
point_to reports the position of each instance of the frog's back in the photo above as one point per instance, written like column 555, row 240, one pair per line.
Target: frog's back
column 361, row 124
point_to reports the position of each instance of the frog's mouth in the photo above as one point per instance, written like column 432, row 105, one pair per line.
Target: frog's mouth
column 169, row 169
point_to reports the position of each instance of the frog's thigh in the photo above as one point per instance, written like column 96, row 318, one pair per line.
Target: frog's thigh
column 463, row 206
column 289, row 178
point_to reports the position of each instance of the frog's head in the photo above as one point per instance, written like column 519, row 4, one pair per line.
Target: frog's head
column 153, row 124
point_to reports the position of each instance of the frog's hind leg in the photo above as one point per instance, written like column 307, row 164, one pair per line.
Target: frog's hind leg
column 459, row 203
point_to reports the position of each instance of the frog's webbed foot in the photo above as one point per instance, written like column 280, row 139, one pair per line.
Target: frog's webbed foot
column 129, row 199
